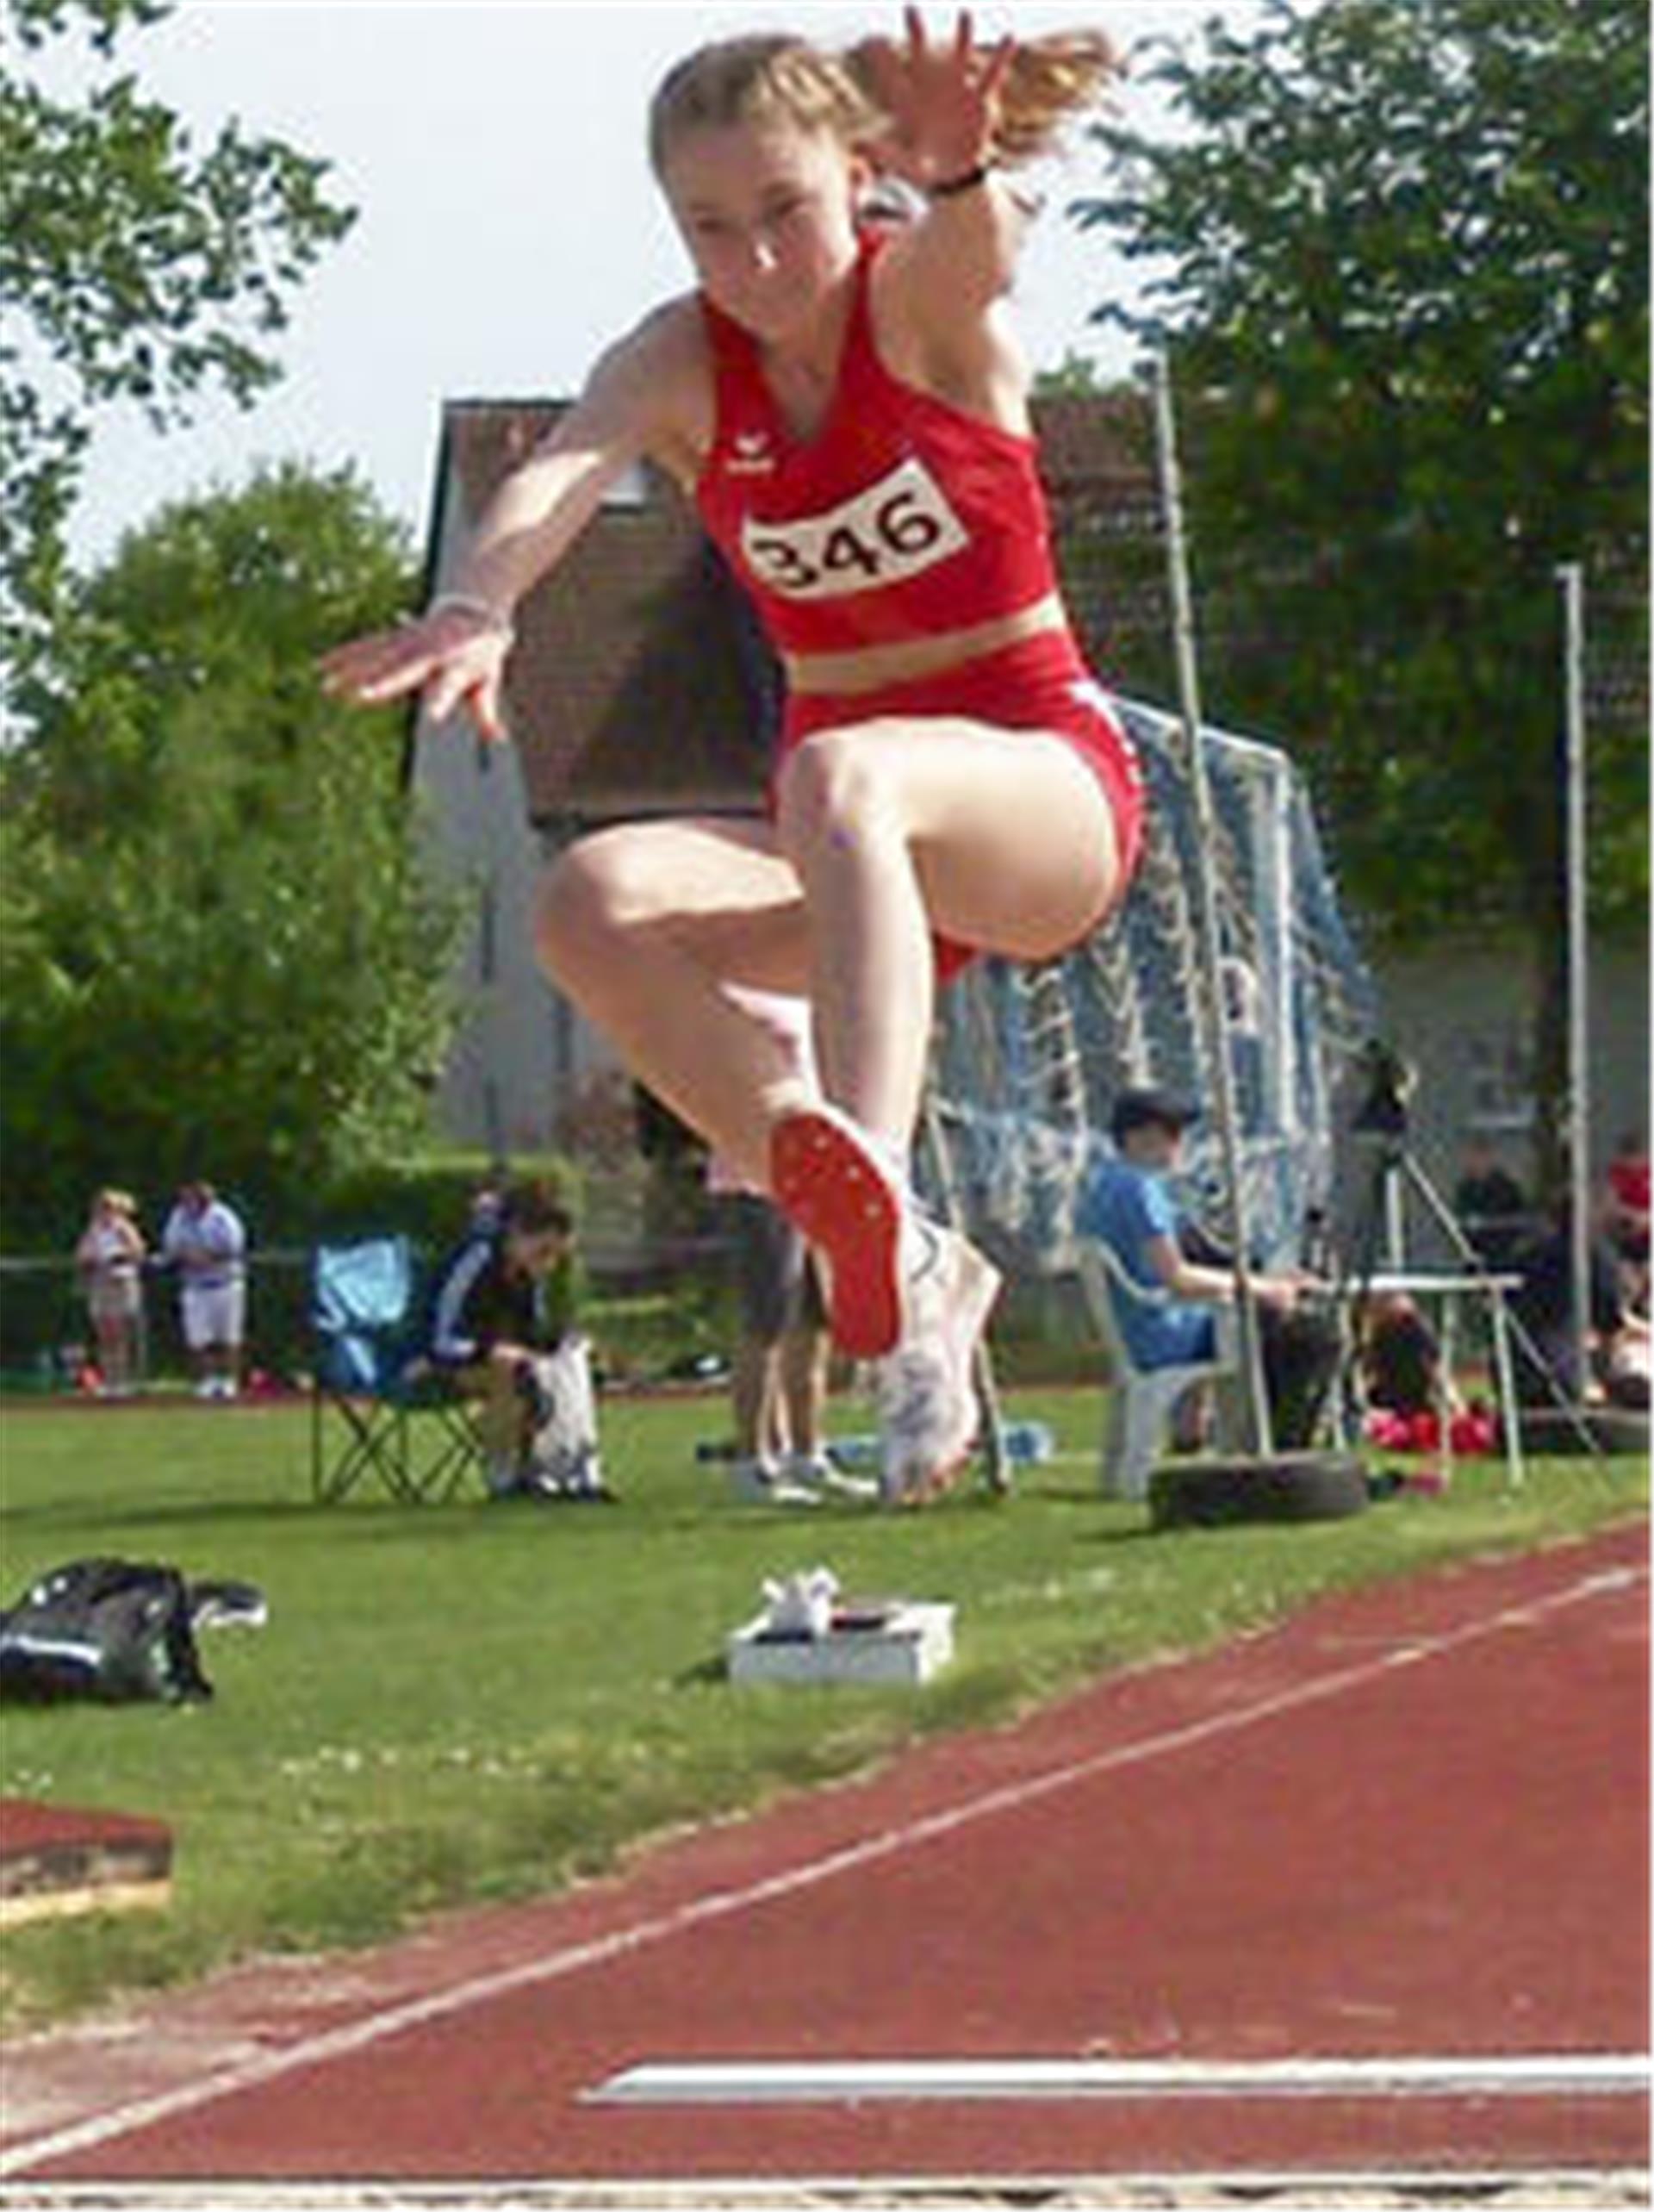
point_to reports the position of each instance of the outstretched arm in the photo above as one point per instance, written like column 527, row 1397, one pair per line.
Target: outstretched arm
column 455, row 652
column 960, row 253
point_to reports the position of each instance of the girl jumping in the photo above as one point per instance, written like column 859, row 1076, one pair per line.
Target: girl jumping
column 847, row 409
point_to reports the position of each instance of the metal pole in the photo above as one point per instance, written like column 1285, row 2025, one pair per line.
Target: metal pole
column 1572, row 576
column 1211, row 944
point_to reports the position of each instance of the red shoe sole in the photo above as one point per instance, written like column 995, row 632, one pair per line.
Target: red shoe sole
column 839, row 1198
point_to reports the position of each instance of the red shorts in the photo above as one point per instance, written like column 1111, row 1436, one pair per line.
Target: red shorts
column 1039, row 684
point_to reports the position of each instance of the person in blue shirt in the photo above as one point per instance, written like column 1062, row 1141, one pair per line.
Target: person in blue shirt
column 1129, row 1205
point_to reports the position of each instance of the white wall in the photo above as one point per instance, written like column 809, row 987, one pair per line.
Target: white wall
column 511, row 1059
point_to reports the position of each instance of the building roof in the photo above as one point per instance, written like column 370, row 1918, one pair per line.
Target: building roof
column 639, row 682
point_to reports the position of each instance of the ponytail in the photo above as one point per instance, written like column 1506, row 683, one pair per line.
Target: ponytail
column 1049, row 81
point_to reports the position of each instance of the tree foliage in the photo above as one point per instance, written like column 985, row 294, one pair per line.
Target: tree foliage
column 1401, row 250
column 218, row 951
column 1401, row 246
column 134, row 268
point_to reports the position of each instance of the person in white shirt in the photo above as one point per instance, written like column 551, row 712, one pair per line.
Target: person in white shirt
column 206, row 1240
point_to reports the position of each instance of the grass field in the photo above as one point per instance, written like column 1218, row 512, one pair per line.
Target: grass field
column 465, row 1703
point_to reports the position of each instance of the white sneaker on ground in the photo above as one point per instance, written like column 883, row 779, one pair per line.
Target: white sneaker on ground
column 757, row 1482
column 815, row 1471
column 928, row 1410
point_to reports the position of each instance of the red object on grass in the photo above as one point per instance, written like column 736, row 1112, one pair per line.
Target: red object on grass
column 1473, row 1433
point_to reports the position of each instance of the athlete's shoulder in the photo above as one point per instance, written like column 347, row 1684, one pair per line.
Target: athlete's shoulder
column 658, row 376
column 967, row 352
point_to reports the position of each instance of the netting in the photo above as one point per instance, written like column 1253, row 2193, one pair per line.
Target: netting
column 1029, row 1060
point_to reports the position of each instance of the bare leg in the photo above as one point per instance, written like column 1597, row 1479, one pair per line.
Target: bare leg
column 804, row 1357
column 888, row 830
column 642, row 926
column 897, row 829
column 111, row 1332
column 502, row 1415
column 752, row 1392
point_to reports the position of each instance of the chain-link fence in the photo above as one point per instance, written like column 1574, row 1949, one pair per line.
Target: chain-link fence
column 47, row 1342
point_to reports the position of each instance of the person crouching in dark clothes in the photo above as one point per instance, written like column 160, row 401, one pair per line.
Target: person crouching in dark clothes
column 1400, row 1357
column 492, row 1317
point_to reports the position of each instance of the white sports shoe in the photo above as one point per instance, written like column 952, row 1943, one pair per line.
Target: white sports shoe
column 815, row 1471
column 756, row 1482
column 928, row 1412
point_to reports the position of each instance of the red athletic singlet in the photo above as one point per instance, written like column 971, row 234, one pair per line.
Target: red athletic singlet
column 903, row 517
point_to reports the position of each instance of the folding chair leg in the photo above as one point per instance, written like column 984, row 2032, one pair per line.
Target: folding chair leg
column 444, row 1449
column 369, row 1441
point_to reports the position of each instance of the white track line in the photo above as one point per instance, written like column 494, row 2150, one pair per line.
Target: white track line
column 268, row 2066
column 1017, row 2080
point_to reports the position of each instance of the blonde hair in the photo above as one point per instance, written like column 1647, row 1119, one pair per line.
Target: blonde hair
column 766, row 77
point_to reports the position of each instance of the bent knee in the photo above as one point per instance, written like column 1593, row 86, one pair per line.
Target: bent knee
column 832, row 786
column 590, row 895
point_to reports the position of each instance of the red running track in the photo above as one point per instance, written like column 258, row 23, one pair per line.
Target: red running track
column 1411, row 1822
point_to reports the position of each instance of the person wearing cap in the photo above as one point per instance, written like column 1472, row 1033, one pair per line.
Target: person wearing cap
column 1129, row 1205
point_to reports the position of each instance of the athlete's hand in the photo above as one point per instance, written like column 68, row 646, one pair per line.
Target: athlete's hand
column 941, row 100
column 456, row 655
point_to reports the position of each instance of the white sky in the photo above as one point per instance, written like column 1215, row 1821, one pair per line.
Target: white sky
column 508, row 226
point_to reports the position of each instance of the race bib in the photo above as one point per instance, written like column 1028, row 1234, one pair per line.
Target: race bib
column 896, row 529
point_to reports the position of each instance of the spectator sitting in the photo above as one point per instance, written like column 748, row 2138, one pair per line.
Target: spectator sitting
column 495, row 1315
column 1129, row 1205
column 1545, row 1307
column 109, row 1258
column 1491, row 1204
column 205, row 1239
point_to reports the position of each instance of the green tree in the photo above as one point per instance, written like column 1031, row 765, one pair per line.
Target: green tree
column 134, row 269
column 1401, row 249
column 217, row 943
column 1076, row 376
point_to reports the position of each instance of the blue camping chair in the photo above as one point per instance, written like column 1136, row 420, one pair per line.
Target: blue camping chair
column 380, row 1412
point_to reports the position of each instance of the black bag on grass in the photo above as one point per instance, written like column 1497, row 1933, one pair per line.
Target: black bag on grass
column 109, row 1630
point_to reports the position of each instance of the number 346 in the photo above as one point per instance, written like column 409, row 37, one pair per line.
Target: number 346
column 897, row 535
